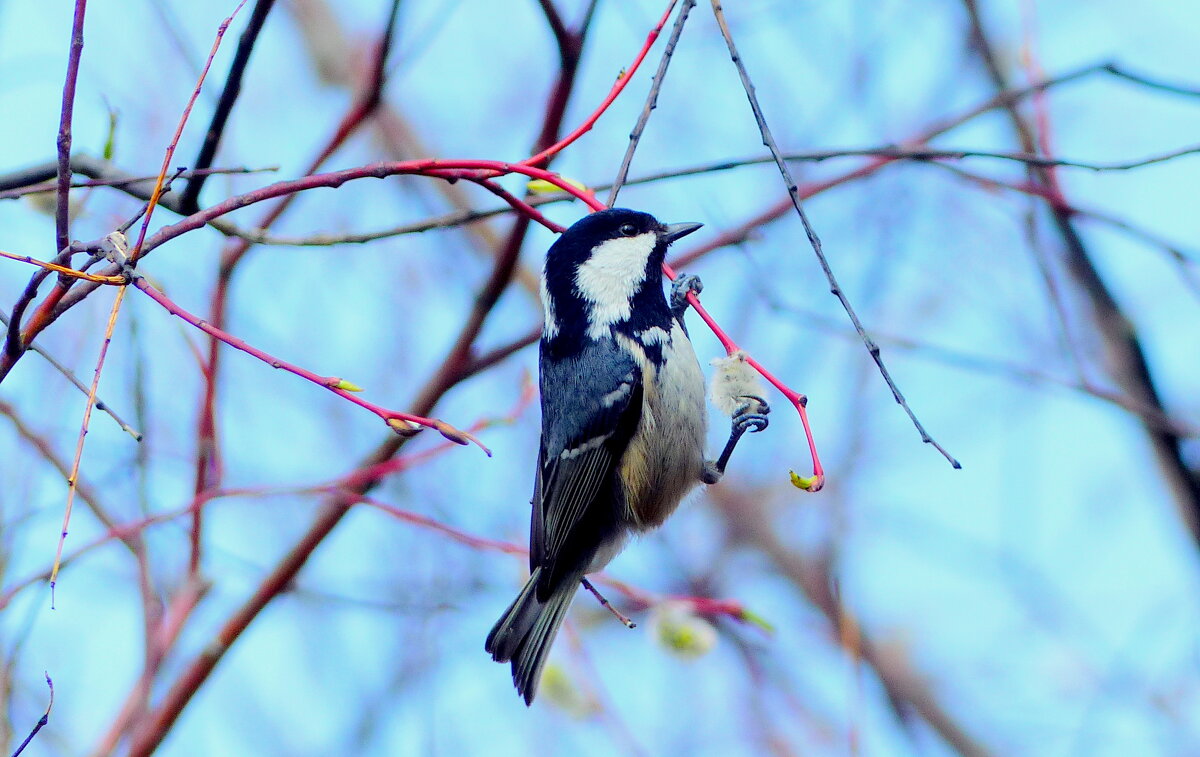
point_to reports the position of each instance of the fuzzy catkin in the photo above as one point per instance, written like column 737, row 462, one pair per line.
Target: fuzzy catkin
column 732, row 382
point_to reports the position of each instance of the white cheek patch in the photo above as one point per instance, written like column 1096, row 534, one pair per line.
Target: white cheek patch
column 550, row 327
column 608, row 279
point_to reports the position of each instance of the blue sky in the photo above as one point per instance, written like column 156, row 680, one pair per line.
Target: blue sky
column 1046, row 593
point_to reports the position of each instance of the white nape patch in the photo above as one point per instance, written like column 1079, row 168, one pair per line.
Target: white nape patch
column 733, row 380
column 610, row 277
column 588, row 446
column 654, row 335
column 550, row 326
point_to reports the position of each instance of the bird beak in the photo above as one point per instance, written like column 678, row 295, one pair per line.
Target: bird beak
column 676, row 230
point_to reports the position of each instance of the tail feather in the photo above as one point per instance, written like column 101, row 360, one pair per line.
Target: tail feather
column 526, row 630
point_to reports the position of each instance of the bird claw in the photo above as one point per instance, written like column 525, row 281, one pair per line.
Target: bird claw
column 683, row 285
column 752, row 415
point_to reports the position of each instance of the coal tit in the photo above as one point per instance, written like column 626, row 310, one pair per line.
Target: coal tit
column 623, row 419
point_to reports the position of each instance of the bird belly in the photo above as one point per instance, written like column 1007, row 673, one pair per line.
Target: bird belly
column 665, row 457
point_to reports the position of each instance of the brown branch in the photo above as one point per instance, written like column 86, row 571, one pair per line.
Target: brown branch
column 456, row 367
column 208, row 462
column 1125, row 356
column 69, row 376
column 815, row 241
column 747, row 521
column 62, row 220
column 453, row 370
column 229, row 94
column 656, row 83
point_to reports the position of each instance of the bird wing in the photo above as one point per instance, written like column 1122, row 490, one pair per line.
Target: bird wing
column 591, row 406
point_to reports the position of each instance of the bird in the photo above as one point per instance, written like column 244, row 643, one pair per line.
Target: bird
column 624, row 419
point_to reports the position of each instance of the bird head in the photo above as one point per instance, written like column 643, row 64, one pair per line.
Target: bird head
column 605, row 269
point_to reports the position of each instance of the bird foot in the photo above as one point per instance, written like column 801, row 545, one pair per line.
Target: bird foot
column 684, row 284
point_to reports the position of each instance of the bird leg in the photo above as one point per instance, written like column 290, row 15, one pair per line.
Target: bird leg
column 680, row 287
column 750, row 416
column 608, row 605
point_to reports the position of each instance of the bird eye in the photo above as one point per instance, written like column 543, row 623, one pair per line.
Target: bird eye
column 628, row 229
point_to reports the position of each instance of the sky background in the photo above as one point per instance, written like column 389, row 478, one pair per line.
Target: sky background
column 1046, row 594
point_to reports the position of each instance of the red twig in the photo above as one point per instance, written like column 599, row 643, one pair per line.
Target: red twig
column 183, row 119
column 451, row 170
column 617, row 88
column 333, row 383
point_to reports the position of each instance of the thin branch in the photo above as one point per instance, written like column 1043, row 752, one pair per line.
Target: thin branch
column 183, row 119
column 88, row 493
column 813, row 239
column 1126, row 357
column 1185, row 262
column 543, row 157
column 656, row 83
column 188, row 201
column 41, row 721
column 1172, row 88
column 396, row 420
column 73, row 475
column 747, row 521
column 117, row 180
column 999, row 367
column 461, row 217
column 70, row 376
column 62, row 220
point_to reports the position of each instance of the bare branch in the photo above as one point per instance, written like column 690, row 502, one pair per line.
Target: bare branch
column 1126, row 357
column 62, row 221
column 813, row 239
column 656, row 83
column 188, row 202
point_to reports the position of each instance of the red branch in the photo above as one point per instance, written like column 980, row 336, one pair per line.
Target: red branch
column 332, row 383
column 613, row 93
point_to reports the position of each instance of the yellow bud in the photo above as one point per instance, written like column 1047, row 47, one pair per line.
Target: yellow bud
column 682, row 632
column 403, row 427
column 755, row 619
column 801, row 482
column 541, row 186
column 347, row 386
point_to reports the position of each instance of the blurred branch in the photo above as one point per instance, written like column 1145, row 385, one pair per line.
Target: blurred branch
column 88, row 493
column 103, row 174
column 656, row 83
column 330, row 48
column 229, row 94
column 1126, row 357
column 1185, row 263
column 999, row 367
column 747, row 521
column 562, row 37
column 208, row 469
column 69, row 376
column 813, row 239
